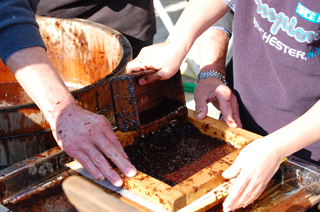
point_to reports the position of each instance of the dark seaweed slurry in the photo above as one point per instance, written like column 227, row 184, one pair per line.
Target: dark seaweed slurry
column 172, row 155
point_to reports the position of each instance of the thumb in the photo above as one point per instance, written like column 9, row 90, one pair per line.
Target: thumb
column 201, row 109
column 232, row 171
column 201, row 106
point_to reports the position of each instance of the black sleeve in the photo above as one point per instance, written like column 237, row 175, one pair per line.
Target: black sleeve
column 18, row 27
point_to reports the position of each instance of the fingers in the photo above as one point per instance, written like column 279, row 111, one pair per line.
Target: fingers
column 241, row 188
column 140, row 67
column 229, row 106
column 110, row 146
column 251, row 193
column 96, row 164
column 109, row 134
column 203, row 94
column 214, row 91
column 235, row 192
column 235, row 110
column 136, row 66
column 256, row 164
column 89, row 138
column 149, row 78
column 243, row 193
column 87, row 164
column 233, row 170
column 227, row 103
column 159, row 57
column 201, row 106
column 118, row 159
column 239, row 185
column 226, row 111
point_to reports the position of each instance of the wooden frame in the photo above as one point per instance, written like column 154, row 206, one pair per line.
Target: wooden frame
column 134, row 104
column 189, row 190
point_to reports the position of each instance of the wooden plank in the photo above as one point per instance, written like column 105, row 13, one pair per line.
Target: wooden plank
column 207, row 179
column 124, row 103
column 148, row 96
column 124, row 199
column 156, row 191
column 90, row 198
column 215, row 128
column 173, row 88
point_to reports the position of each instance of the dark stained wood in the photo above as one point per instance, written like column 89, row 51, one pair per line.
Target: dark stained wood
column 139, row 106
column 148, row 96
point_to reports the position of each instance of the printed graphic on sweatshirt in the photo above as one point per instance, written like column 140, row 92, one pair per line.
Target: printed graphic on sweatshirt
column 290, row 26
column 307, row 14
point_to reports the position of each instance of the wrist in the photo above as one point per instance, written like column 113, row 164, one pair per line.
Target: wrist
column 276, row 141
column 59, row 113
column 179, row 46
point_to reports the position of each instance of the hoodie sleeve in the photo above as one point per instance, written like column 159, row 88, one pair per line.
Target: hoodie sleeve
column 18, row 27
column 225, row 23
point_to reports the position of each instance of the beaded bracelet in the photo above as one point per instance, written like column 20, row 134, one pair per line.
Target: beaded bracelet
column 214, row 74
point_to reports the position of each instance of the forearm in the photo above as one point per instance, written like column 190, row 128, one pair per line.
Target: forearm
column 213, row 47
column 196, row 18
column 42, row 83
column 86, row 136
column 213, row 44
column 299, row 133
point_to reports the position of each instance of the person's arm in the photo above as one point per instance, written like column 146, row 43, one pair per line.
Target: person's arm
column 213, row 44
column 86, row 136
column 167, row 57
column 258, row 162
column 213, row 47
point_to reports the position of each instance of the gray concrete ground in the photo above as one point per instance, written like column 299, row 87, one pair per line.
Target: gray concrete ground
column 174, row 8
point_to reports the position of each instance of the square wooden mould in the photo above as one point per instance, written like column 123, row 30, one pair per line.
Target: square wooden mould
column 173, row 198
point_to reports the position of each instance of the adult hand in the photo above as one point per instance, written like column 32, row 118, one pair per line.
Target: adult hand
column 84, row 135
column 88, row 137
column 162, row 58
column 255, row 166
column 213, row 90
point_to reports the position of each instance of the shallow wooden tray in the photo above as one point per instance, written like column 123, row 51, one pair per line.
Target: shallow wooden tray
column 182, row 194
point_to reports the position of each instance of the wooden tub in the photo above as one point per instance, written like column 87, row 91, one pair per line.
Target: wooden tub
column 86, row 55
